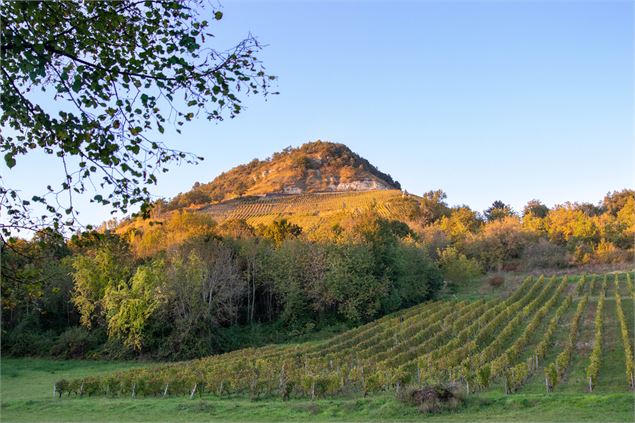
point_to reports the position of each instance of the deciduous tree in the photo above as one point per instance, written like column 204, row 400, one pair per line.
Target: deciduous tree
column 95, row 84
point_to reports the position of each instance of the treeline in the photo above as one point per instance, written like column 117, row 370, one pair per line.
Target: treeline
column 179, row 288
column 179, row 285
column 501, row 239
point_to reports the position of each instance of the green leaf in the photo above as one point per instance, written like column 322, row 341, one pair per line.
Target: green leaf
column 77, row 84
column 8, row 158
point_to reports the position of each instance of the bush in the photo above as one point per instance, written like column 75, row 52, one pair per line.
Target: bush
column 496, row 281
column 607, row 253
column 545, row 255
column 27, row 340
column 456, row 267
column 434, row 398
column 73, row 343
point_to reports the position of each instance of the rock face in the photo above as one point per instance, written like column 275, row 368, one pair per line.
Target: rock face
column 363, row 185
column 314, row 167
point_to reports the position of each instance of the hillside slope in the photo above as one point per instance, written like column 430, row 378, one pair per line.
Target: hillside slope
column 314, row 167
column 312, row 210
column 504, row 344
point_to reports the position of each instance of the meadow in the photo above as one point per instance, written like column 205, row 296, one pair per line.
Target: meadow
column 26, row 388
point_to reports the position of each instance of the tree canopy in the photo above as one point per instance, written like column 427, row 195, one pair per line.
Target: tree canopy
column 96, row 83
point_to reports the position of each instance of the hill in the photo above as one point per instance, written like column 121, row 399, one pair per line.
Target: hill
column 314, row 167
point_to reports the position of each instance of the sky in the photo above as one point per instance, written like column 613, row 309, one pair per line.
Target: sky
column 486, row 100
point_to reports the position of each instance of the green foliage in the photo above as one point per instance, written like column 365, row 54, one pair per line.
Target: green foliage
column 626, row 338
column 352, row 280
column 120, row 66
column 456, row 267
column 26, row 338
column 535, row 208
column 74, row 342
column 498, row 210
column 544, row 255
column 28, row 381
column 449, row 340
column 129, row 306
column 107, row 266
column 35, row 281
column 551, row 376
column 433, row 206
column 593, row 369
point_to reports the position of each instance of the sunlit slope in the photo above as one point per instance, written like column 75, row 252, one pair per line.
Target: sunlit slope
column 502, row 344
column 314, row 209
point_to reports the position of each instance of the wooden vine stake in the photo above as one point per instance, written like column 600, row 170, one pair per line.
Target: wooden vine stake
column 165, row 391
column 193, row 391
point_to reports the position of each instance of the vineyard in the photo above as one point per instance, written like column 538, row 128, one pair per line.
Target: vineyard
column 308, row 210
column 551, row 334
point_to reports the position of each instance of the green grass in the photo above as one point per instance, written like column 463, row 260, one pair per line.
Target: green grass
column 26, row 395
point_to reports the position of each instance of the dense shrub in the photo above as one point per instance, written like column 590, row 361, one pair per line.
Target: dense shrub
column 607, row 253
column 24, row 340
column 74, row 343
column 456, row 267
column 545, row 255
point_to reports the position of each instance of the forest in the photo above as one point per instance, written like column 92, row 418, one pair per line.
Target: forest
column 180, row 285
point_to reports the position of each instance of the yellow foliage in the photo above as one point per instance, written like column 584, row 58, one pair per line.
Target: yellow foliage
column 565, row 222
column 147, row 237
column 534, row 224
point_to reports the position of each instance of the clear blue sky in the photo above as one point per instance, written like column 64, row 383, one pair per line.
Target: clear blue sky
column 485, row 100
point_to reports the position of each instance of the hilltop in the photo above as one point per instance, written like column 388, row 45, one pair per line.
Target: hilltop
column 315, row 167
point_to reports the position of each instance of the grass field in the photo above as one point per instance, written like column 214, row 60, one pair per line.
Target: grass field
column 26, row 393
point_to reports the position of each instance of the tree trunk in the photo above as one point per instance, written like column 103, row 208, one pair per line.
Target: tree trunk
column 248, row 300
column 253, row 296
